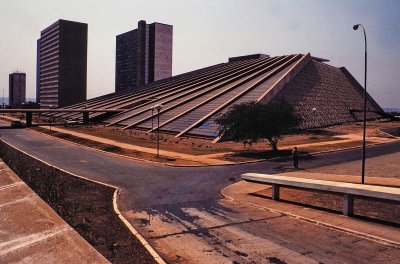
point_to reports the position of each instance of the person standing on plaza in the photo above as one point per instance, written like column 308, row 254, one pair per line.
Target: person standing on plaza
column 295, row 154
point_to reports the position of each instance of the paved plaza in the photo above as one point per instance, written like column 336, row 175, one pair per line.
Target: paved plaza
column 181, row 213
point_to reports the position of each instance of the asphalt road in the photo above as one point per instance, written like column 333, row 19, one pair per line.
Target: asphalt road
column 179, row 210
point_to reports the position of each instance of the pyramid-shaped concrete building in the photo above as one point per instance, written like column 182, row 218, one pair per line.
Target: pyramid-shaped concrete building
column 323, row 95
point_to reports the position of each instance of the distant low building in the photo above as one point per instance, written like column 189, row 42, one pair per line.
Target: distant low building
column 62, row 64
column 143, row 55
column 248, row 57
column 17, row 88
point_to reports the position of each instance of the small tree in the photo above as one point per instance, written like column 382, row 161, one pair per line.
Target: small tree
column 253, row 121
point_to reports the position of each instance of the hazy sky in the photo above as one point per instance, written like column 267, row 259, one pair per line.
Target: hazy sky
column 208, row 32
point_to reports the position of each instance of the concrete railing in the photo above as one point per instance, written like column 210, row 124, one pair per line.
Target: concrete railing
column 349, row 190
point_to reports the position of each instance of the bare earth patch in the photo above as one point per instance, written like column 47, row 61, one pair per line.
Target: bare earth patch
column 114, row 149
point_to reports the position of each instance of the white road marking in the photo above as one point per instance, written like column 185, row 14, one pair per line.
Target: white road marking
column 22, row 242
column 11, row 186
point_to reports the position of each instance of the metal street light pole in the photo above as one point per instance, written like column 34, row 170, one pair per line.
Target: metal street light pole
column 152, row 115
column 158, row 107
column 355, row 27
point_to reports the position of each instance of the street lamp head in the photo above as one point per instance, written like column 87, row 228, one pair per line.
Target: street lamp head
column 159, row 106
column 355, row 27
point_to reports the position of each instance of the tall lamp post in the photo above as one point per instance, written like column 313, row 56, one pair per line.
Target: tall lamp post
column 158, row 108
column 152, row 115
column 355, row 27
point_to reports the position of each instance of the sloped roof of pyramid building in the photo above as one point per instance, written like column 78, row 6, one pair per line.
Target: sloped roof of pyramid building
column 193, row 100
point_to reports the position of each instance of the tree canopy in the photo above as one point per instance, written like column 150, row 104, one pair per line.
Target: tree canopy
column 251, row 122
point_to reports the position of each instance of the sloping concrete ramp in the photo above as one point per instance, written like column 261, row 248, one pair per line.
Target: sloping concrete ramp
column 31, row 232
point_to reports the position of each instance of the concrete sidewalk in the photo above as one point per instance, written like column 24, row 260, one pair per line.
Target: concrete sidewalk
column 31, row 232
column 239, row 192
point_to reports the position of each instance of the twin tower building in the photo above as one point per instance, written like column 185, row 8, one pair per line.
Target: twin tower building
column 143, row 55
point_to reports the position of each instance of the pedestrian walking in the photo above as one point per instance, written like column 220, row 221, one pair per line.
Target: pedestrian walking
column 295, row 154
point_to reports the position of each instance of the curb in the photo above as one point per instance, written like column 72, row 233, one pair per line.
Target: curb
column 142, row 240
column 381, row 240
column 148, row 247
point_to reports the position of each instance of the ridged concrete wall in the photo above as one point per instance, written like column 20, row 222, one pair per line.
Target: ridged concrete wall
column 330, row 91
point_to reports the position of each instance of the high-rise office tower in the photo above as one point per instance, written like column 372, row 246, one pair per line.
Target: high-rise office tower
column 17, row 88
column 143, row 55
column 62, row 64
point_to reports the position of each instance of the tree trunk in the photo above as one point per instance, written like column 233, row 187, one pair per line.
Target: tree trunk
column 273, row 143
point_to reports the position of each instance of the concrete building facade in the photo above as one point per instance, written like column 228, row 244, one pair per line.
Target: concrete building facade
column 321, row 94
column 17, row 88
column 143, row 55
column 62, row 64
